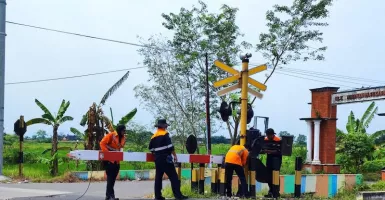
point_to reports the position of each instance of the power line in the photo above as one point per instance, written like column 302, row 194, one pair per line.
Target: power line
column 71, row 77
column 361, row 81
column 324, row 77
column 87, row 36
column 314, row 80
column 334, row 75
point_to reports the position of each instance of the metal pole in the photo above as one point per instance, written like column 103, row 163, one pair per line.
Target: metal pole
column 2, row 77
column 208, row 107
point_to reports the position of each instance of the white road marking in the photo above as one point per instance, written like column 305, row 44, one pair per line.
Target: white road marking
column 8, row 192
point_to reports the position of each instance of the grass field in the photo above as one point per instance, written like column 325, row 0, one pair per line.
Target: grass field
column 35, row 170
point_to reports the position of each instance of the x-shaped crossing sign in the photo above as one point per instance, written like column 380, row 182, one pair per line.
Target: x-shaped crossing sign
column 236, row 75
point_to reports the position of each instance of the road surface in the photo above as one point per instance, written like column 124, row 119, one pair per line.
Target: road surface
column 72, row 191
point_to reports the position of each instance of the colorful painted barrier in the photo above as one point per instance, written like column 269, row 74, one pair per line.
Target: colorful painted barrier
column 322, row 185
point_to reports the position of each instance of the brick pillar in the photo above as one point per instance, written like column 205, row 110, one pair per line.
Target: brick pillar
column 321, row 107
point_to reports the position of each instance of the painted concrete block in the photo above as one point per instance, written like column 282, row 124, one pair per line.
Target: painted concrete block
column 288, row 184
column 99, row 175
column 152, row 174
column 311, row 183
column 322, row 185
column 332, row 185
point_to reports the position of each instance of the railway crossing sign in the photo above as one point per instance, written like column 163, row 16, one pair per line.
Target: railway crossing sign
column 236, row 75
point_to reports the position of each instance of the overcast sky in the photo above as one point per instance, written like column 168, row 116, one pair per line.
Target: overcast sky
column 355, row 40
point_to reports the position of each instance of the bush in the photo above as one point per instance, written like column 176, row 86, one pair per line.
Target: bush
column 372, row 176
column 379, row 186
column 373, row 166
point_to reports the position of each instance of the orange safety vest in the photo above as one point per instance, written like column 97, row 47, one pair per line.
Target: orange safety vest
column 110, row 142
column 275, row 139
column 237, row 155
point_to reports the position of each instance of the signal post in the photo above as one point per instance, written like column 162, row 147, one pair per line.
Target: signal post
column 244, row 79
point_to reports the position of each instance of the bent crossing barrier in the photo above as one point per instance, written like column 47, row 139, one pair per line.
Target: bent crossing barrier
column 140, row 156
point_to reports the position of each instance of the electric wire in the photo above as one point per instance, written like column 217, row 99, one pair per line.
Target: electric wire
column 86, row 36
column 332, row 75
column 335, row 77
column 89, row 183
column 285, row 69
column 314, row 80
column 71, row 77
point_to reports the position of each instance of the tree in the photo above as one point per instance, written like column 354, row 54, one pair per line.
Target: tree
column 55, row 122
column 288, row 37
column 196, row 32
column 301, row 140
column 173, row 95
column 41, row 136
column 357, row 145
column 283, row 133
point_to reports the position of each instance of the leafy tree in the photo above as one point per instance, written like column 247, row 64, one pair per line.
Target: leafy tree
column 55, row 122
column 301, row 140
column 353, row 154
column 219, row 140
column 196, row 32
column 288, row 38
column 283, row 133
column 355, row 148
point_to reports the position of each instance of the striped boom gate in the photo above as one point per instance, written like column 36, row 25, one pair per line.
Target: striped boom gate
column 140, row 157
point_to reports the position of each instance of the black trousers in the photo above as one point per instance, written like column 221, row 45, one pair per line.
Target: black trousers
column 229, row 170
column 273, row 163
column 112, row 170
column 161, row 167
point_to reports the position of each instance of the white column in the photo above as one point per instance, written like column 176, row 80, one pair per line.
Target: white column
column 308, row 143
column 317, row 128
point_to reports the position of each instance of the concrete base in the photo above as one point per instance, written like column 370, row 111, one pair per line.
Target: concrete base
column 324, row 168
column 4, row 178
column 371, row 195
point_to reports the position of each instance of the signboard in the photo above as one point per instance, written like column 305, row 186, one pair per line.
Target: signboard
column 360, row 95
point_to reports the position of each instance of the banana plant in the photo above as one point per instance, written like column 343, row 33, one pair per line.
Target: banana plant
column 51, row 160
column 54, row 121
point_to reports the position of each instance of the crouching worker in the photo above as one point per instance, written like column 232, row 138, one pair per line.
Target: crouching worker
column 235, row 159
column 162, row 148
column 113, row 141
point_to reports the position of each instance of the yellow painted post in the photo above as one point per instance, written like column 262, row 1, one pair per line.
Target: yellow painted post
column 194, row 180
column 222, row 186
column 214, row 178
column 245, row 76
column 178, row 167
column 201, row 178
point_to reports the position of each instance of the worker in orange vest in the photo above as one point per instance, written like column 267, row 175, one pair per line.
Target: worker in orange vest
column 271, row 137
column 113, row 141
column 235, row 159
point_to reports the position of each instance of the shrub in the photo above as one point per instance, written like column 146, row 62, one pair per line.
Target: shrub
column 372, row 176
column 373, row 166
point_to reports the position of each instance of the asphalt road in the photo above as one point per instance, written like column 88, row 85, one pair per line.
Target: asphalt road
column 72, row 191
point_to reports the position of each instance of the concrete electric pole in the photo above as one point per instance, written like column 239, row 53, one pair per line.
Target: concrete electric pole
column 2, row 78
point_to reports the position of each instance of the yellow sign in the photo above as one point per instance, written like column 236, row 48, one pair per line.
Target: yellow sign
column 225, row 67
column 238, row 76
column 257, row 69
column 256, row 84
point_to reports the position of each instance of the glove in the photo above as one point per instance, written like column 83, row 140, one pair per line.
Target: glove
column 169, row 159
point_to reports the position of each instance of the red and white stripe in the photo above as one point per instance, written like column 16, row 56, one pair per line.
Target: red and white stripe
column 140, row 156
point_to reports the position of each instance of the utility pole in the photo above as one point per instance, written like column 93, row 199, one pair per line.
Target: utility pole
column 2, row 78
column 208, row 125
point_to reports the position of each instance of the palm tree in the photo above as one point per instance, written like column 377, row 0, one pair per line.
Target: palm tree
column 55, row 122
